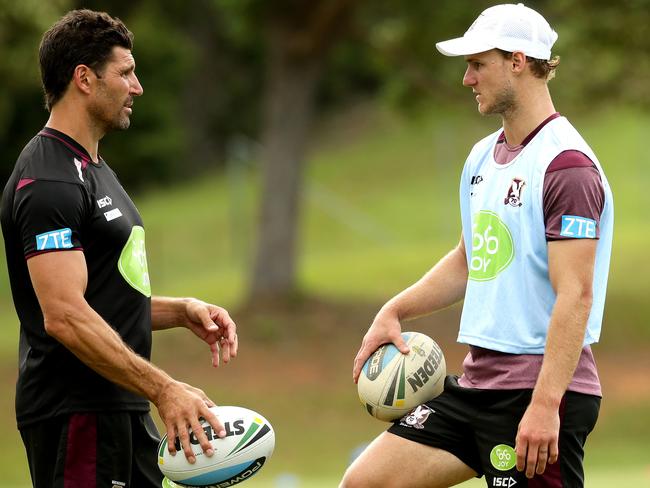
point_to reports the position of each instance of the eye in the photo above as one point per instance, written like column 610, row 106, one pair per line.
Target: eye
column 127, row 72
column 476, row 64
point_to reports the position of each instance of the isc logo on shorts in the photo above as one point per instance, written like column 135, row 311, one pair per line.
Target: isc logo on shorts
column 578, row 227
column 55, row 239
column 504, row 482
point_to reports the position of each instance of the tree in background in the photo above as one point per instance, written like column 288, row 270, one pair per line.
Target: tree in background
column 216, row 69
column 22, row 107
column 299, row 35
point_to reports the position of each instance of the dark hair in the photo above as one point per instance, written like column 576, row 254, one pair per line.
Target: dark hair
column 541, row 68
column 79, row 37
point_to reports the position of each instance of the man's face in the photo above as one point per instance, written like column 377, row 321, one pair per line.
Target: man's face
column 488, row 75
column 117, row 85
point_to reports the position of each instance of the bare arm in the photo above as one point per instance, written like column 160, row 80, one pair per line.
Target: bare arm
column 209, row 322
column 442, row 286
column 571, row 268
column 59, row 280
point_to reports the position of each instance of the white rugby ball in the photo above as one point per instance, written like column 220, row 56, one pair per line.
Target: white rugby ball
column 391, row 384
column 249, row 442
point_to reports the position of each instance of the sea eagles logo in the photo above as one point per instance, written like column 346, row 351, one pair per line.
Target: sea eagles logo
column 513, row 197
column 417, row 417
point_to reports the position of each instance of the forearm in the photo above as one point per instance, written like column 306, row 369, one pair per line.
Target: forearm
column 168, row 312
column 563, row 346
column 96, row 344
column 442, row 286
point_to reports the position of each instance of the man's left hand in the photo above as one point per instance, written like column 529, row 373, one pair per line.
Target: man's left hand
column 537, row 439
column 213, row 325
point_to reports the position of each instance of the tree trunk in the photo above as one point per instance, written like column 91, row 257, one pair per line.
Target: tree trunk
column 300, row 36
column 289, row 109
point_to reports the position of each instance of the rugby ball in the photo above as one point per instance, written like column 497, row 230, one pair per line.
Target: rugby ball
column 391, row 384
column 249, row 442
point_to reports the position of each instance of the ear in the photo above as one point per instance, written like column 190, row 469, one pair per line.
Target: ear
column 83, row 78
column 518, row 62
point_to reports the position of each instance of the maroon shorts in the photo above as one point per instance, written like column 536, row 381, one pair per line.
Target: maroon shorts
column 94, row 450
column 479, row 427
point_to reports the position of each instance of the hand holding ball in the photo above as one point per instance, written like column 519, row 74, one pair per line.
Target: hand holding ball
column 249, row 442
column 391, row 384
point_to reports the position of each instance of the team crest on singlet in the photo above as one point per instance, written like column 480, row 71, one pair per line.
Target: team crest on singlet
column 515, row 190
column 133, row 262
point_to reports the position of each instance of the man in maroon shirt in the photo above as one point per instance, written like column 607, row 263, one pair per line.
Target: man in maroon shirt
column 519, row 419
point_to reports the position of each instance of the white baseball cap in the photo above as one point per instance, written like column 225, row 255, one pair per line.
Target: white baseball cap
column 508, row 27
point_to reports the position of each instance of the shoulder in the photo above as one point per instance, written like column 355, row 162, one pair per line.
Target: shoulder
column 564, row 136
column 570, row 158
column 44, row 158
column 574, row 172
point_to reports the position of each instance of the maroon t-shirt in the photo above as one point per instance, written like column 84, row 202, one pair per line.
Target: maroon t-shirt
column 572, row 186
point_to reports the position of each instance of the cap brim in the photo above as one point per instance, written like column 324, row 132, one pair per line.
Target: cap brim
column 463, row 46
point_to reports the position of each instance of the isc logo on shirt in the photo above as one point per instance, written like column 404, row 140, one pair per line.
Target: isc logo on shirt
column 578, row 227
column 55, row 239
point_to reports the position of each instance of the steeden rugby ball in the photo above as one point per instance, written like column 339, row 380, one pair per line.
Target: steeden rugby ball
column 391, row 383
column 249, row 442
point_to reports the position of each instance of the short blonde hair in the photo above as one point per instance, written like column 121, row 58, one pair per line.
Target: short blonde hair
column 541, row 68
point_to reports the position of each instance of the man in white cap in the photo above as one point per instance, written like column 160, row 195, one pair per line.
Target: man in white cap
column 531, row 266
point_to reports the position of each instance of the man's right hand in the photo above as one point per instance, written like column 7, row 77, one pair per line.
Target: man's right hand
column 181, row 407
column 385, row 329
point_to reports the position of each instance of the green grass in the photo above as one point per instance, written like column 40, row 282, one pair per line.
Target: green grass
column 380, row 207
column 597, row 478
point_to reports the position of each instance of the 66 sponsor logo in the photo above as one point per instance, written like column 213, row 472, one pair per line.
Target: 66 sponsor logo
column 503, row 457
column 492, row 246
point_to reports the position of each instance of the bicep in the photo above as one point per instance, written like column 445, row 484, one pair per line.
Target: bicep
column 571, row 265
column 59, row 280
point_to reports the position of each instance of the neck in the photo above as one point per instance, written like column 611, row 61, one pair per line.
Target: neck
column 74, row 121
column 532, row 109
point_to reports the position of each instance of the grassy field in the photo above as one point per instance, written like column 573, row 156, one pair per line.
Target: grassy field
column 380, row 207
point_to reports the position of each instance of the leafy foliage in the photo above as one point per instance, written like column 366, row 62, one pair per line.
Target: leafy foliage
column 202, row 66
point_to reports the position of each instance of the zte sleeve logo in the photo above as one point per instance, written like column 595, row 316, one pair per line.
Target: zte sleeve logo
column 55, row 239
column 578, row 227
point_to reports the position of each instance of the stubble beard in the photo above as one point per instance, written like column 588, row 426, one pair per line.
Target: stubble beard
column 505, row 103
column 105, row 123
column 123, row 123
column 106, row 118
column 119, row 121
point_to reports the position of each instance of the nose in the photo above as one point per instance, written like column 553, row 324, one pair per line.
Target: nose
column 468, row 78
column 136, row 87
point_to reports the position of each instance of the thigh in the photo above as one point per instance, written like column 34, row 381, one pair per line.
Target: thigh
column 496, row 431
column 80, row 450
column 114, row 450
column 45, row 446
column 391, row 460
column 578, row 418
column 145, row 472
column 446, row 423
